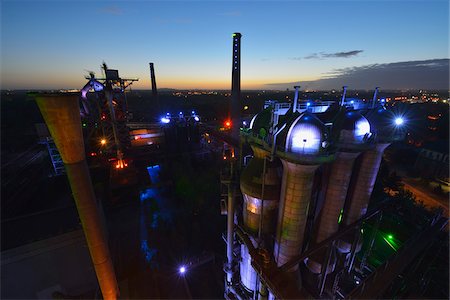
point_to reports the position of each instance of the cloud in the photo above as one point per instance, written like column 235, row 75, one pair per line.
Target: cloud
column 342, row 54
column 424, row 74
column 295, row 58
column 111, row 10
column 231, row 14
column 313, row 56
column 323, row 55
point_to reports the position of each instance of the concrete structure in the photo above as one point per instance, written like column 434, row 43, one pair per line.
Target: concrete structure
column 63, row 262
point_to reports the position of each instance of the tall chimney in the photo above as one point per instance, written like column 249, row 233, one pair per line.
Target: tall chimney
column 62, row 116
column 374, row 100
column 152, row 76
column 294, row 108
column 344, row 91
column 236, row 86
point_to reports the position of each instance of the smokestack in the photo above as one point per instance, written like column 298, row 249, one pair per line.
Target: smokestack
column 236, row 86
column 62, row 116
column 374, row 100
column 344, row 91
column 152, row 76
column 295, row 98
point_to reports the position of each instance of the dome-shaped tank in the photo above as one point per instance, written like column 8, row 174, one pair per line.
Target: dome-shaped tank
column 355, row 128
column 251, row 187
column 260, row 123
column 305, row 135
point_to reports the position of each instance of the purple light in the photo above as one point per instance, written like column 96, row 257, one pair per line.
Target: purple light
column 196, row 119
column 182, row 270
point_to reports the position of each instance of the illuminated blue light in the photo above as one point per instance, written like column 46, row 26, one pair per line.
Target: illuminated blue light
column 352, row 102
column 147, row 194
column 308, row 103
column 167, row 114
column 244, row 123
column 196, row 119
column 362, row 127
column 399, row 121
column 148, row 252
column 182, row 270
column 165, row 120
column 383, row 100
column 181, row 113
column 193, row 112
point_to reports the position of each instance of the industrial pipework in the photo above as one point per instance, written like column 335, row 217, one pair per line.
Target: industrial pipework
column 61, row 113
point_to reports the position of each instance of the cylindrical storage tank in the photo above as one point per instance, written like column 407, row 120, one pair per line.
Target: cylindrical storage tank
column 247, row 273
column 354, row 129
column 296, row 195
column 303, row 143
column 255, row 197
column 331, row 214
column 362, row 190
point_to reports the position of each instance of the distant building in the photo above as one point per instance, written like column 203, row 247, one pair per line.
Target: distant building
column 432, row 160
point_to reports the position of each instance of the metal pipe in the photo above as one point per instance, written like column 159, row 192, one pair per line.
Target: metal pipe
column 344, row 91
column 272, row 154
column 323, row 275
column 62, row 116
column 230, row 229
column 294, row 108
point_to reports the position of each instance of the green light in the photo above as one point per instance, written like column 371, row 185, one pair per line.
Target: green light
column 234, row 34
column 84, row 124
column 340, row 216
column 390, row 236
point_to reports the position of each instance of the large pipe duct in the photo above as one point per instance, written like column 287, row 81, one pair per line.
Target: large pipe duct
column 62, row 116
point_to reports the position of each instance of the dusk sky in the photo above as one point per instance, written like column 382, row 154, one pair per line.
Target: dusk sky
column 52, row 44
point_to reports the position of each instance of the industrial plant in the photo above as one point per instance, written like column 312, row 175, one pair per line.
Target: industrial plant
column 304, row 226
column 295, row 190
